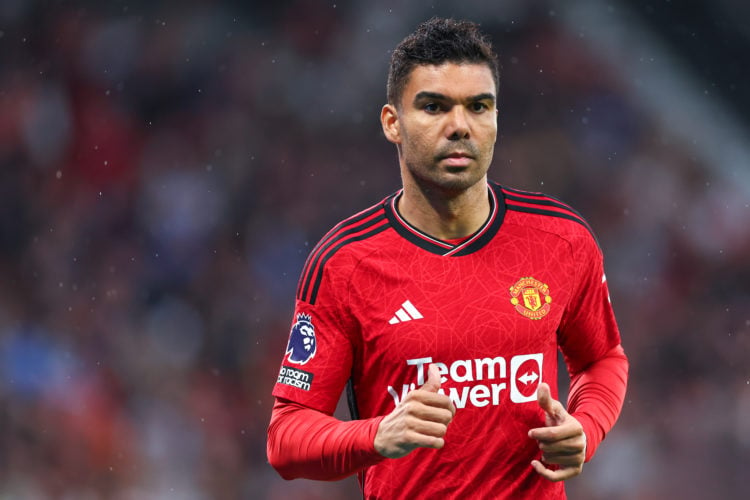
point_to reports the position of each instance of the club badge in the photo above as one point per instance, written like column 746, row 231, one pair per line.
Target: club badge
column 531, row 298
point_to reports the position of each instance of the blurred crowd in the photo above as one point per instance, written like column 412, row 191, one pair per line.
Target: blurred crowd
column 165, row 169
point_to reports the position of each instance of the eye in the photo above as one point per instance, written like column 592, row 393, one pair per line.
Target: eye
column 478, row 107
column 431, row 107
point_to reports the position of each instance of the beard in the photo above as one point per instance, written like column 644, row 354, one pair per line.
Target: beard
column 430, row 175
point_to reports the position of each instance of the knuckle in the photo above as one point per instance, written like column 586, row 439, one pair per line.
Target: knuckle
column 411, row 422
column 411, row 408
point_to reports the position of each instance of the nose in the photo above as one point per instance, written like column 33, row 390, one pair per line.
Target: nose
column 458, row 125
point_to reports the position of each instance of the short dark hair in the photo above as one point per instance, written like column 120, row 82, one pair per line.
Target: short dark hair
column 435, row 42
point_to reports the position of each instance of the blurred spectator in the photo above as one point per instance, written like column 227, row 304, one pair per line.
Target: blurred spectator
column 166, row 168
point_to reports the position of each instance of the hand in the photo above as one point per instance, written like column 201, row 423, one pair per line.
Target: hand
column 562, row 440
column 419, row 421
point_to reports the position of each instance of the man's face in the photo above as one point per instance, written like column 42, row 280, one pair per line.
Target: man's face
column 445, row 126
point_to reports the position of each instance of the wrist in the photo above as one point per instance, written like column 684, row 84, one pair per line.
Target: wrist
column 589, row 433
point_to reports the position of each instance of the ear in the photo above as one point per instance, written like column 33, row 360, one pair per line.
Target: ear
column 390, row 122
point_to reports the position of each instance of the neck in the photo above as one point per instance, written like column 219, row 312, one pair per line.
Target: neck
column 445, row 215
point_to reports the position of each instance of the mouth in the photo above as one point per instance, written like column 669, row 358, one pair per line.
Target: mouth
column 458, row 159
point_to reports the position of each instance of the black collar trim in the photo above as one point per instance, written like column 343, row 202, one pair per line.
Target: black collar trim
column 423, row 240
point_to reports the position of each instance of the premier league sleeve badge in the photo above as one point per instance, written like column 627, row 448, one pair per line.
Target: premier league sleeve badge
column 302, row 345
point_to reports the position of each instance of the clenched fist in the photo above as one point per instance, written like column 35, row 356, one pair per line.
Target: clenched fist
column 562, row 440
column 419, row 421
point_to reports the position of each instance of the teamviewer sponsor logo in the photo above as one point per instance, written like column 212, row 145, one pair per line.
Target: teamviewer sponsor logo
column 295, row 378
column 525, row 375
column 482, row 381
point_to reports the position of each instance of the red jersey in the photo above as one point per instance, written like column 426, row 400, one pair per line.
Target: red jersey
column 378, row 300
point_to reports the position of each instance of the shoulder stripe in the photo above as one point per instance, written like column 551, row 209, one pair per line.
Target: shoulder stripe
column 341, row 226
column 357, row 228
column 541, row 211
column 539, row 198
column 313, row 295
column 541, row 204
column 342, row 230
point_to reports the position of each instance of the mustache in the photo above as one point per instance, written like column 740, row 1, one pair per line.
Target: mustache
column 463, row 146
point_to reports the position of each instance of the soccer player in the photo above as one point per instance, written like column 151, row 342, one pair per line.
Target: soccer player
column 441, row 310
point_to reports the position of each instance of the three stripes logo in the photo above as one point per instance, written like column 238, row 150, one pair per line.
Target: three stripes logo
column 406, row 312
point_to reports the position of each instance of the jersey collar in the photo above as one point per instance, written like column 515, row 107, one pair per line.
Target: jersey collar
column 423, row 240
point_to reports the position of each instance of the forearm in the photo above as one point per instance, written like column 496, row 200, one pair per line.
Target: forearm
column 305, row 443
column 597, row 395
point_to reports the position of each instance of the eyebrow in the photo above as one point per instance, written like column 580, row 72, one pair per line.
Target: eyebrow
column 441, row 97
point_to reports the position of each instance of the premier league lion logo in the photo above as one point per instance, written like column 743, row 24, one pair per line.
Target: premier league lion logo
column 301, row 347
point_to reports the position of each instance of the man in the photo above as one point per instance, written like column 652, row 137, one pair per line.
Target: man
column 442, row 308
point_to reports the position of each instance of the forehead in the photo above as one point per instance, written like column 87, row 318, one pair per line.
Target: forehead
column 450, row 79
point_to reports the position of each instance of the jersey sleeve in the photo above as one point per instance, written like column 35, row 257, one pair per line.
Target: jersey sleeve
column 588, row 329
column 596, row 396
column 318, row 358
column 590, row 342
column 309, row 444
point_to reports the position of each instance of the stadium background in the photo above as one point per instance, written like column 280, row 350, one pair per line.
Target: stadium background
column 166, row 167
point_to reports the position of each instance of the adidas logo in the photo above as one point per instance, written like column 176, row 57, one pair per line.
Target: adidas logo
column 406, row 312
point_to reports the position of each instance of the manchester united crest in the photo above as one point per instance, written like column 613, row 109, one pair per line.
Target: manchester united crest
column 531, row 298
